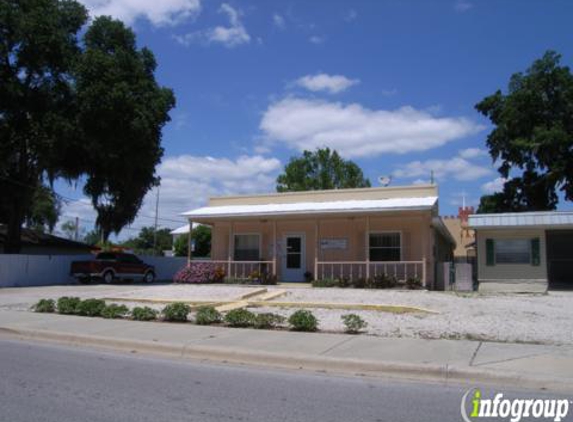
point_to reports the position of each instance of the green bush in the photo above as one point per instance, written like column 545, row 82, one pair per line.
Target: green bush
column 413, row 283
column 113, row 311
column 144, row 313
column 353, row 323
column 325, row 282
column 303, row 320
column 68, row 305
column 207, row 315
column 359, row 283
column 45, row 305
column 268, row 320
column 382, row 281
column 91, row 307
column 176, row 312
column 240, row 318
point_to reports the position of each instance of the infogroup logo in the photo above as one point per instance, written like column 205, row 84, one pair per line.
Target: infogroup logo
column 511, row 409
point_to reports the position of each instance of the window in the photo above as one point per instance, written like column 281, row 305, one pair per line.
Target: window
column 385, row 247
column 512, row 251
column 247, row 247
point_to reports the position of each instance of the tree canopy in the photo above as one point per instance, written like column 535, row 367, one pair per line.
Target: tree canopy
column 72, row 109
column 201, row 237
column 532, row 138
column 143, row 243
column 321, row 169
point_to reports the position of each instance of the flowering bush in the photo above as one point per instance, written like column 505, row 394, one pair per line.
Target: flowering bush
column 200, row 272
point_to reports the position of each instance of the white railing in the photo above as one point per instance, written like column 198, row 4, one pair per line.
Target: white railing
column 400, row 270
column 243, row 269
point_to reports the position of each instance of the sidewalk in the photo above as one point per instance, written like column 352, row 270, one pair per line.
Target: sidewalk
column 468, row 362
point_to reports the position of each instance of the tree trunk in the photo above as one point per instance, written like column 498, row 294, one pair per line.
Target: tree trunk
column 13, row 243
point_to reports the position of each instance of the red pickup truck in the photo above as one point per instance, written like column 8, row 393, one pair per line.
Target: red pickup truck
column 110, row 266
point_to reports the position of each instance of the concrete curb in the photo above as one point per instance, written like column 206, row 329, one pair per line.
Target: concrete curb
column 353, row 367
column 396, row 309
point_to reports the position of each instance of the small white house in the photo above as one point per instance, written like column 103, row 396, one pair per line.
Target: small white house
column 524, row 252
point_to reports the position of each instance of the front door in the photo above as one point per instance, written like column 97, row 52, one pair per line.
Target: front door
column 293, row 265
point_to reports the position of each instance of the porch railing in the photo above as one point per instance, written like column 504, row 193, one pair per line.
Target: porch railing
column 400, row 270
column 243, row 269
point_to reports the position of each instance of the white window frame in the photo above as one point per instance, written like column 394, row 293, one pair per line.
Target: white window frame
column 258, row 234
column 496, row 244
column 399, row 232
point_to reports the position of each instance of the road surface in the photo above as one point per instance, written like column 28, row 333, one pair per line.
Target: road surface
column 40, row 382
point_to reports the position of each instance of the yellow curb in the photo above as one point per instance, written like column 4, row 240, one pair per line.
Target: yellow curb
column 231, row 306
column 251, row 294
column 396, row 309
column 273, row 295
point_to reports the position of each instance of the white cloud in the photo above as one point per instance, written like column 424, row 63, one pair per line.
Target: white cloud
column 317, row 39
column 158, row 12
column 463, row 6
column 356, row 131
column 457, row 168
column 496, row 185
column 230, row 36
column 472, row 153
column 351, row 15
column 279, row 21
column 332, row 84
column 187, row 181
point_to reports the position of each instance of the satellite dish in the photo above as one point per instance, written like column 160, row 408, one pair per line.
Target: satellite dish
column 384, row 180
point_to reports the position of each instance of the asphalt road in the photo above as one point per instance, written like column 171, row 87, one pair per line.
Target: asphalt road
column 40, row 382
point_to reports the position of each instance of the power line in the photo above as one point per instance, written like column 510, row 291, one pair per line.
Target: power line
column 68, row 200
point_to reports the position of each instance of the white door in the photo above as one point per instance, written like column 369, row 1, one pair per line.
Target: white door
column 293, row 263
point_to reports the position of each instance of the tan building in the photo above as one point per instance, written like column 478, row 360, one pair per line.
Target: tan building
column 354, row 233
column 524, row 252
column 463, row 235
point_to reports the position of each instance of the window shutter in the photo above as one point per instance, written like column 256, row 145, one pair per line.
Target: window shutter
column 489, row 252
column 535, row 253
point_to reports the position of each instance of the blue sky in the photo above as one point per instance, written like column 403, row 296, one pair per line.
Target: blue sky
column 389, row 84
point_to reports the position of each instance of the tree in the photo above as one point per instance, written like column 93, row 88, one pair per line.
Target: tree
column 321, row 169
column 92, row 111
column 70, row 229
column 122, row 111
column 532, row 138
column 45, row 210
column 93, row 237
column 201, row 237
column 143, row 243
column 38, row 46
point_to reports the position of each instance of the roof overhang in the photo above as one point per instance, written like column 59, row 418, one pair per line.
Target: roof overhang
column 558, row 220
column 313, row 208
column 440, row 226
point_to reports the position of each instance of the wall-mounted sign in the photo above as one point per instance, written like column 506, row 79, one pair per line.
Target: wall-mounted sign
column 339, row 243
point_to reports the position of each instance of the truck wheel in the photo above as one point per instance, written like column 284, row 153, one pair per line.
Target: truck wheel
column 108, row 277
column 149, row 277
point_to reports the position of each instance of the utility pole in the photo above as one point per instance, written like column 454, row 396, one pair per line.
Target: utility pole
column 156, row 216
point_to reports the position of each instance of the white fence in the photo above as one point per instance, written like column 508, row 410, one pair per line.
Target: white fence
column 45, row 270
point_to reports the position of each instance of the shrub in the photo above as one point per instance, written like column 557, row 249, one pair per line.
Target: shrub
column 353, row 323
column 413, row 283
column 303, row 320
column 45, row 305
column 344, row 282
column 359, row 283
column 325, row 282
column 308, row 277
column 207, row 315
column 200, row 272
column 113, row 311
column 91, row 307
column 382, row 281
column 268, row 320
column 68, row 305
column 235, row 280
column 176, row 312
column 144, row 313
column 240, row 318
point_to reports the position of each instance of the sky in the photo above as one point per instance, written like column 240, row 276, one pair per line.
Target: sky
column 389, row 84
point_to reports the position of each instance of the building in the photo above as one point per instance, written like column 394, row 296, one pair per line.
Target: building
column 524, row 252
column 353, row 233
column 462, row 234
column 38, row 243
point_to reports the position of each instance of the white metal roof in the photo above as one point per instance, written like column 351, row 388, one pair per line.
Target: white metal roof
column 183, row 229
column 522, row 219
column 302, row 208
